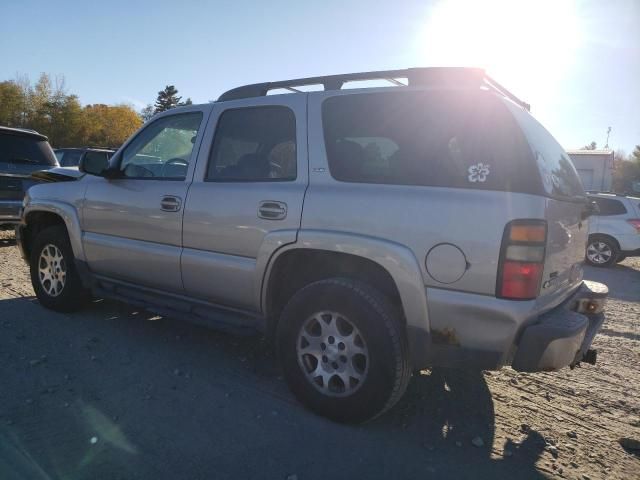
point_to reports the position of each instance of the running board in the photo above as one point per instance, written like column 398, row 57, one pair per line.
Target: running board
column 236, row 322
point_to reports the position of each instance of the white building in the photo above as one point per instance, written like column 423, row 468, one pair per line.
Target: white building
column 594, row 167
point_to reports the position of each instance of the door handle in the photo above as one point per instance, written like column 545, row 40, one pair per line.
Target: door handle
column 170, row 203
column 272, row 210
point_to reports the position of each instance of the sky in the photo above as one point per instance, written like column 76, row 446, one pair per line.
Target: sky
column 576, row 62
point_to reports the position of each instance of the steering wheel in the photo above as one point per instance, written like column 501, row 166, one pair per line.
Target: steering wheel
column 173, row 161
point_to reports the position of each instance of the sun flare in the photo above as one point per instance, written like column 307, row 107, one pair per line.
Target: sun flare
column 525, row 44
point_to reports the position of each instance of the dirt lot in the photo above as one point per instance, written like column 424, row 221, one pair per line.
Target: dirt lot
column 115, row 393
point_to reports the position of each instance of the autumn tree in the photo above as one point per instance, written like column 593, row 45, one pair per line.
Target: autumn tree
column 108, row 125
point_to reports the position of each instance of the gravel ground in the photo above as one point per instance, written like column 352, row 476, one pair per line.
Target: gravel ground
column 117, row 393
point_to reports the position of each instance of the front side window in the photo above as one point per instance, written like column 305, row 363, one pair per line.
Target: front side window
column 256, row 144
column 442, row 139
column 163, row 149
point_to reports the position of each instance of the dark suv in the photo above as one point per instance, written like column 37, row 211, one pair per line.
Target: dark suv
column 70, row 157
column 21, row 153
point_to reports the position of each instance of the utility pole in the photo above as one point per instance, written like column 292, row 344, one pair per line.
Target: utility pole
column 608, row 132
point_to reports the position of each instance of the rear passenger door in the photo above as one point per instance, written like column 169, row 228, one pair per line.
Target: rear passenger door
column 246, row 198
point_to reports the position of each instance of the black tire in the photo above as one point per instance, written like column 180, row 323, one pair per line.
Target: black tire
column 605, row 244
column 71, row 295
column 388, row 364
column 621, row 258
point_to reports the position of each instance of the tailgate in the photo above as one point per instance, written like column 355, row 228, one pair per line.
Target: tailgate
column 567, row 236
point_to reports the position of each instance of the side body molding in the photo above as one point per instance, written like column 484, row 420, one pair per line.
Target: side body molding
column 68, row 213
column 396, row 259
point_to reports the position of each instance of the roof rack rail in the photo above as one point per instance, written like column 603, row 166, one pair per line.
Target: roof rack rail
column 416, row 76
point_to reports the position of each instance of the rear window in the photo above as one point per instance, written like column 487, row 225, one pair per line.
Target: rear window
column 609, row 206
column 26, row 150
column 459, row 139
column 559, row 176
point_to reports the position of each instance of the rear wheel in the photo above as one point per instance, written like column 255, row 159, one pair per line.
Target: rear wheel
column 53, row 271
column 343, row 350
column 602, row 251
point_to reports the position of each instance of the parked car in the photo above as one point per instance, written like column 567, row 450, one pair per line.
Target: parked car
column 442, row 226
column 21, row 153
column 71, row 157
column 614, row 232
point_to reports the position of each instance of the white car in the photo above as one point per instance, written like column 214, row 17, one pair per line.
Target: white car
column 614, row 233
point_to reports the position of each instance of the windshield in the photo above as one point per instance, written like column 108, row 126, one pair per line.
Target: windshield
column 23, row 149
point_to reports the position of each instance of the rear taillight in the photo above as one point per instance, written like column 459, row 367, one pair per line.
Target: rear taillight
column 522, row 259
column 635, row 223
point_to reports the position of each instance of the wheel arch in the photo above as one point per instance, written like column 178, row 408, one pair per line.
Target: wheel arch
column 388, row 266
column 37, row 216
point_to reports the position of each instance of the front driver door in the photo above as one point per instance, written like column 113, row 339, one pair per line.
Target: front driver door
column 132, row 225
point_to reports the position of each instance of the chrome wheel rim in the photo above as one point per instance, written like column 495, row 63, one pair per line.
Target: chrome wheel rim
column 332, row 354
column 599, row 252
column 52, row 270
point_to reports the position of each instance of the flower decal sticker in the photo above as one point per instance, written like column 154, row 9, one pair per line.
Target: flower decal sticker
column 478, row 173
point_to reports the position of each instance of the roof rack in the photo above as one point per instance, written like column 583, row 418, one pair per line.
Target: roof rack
column 433, row 76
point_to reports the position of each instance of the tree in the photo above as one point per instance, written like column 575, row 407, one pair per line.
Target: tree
column 635, row 155
column 11, row 104
column 591, row 146
column 147, row 112
column 107, row 125
column 167, row 99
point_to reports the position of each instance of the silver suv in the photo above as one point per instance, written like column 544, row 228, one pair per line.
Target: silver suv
column 369, row 232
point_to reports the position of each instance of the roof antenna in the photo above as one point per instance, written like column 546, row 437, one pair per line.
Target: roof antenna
column 608, row 132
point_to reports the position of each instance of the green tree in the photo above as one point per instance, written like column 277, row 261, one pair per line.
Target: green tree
column 11, row 104
column 147, row 112
column 167, row 99
column 635, row 155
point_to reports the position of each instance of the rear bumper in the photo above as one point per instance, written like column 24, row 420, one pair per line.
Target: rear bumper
column 562, row 337
column 486, row 333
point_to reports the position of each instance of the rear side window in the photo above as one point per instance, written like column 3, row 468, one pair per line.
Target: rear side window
column 461, row 139
column 609, row 206
column 25, row 149
column 256, row 144
column 559, row 176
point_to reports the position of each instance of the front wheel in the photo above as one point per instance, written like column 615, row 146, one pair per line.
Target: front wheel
column 601, row 251
column 53, row 271
column 343, row 350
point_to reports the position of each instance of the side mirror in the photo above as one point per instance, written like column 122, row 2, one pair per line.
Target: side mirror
column 94, row 165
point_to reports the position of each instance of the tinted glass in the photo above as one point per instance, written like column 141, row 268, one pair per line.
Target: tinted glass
column 609, row 206
column 559, row 176
column 254, row 144
column 449, row 139
column 163, row 149
column 69, row 158
column 23, row 149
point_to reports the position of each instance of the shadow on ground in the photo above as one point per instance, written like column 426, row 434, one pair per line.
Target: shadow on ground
column 114, row 392
column 623, row 281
